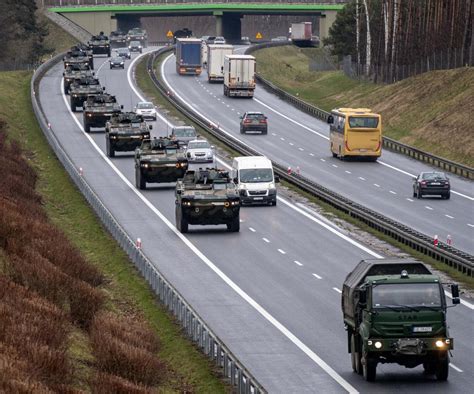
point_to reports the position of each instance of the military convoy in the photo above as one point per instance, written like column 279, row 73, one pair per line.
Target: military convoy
column 98, row 109
column 82, row 88
column 137, row 34
column 76, row 57
column 75, row 71
column 159, row 160
column 100, row 45
column 395, row 312
column 207, row 197
column 118, row 39
column 125, row 132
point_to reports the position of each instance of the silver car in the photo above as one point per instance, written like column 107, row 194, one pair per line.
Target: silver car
column 183, row 134
column 200, row 151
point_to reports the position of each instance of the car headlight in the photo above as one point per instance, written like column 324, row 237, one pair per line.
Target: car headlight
column 145, row 165
column 121, row 63
column 378, row 345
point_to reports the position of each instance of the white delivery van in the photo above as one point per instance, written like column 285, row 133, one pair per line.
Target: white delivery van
column 215, row 61
column 255, row 180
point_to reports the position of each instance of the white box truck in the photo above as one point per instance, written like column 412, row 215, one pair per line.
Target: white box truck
column 215, row 61
column 239, row 75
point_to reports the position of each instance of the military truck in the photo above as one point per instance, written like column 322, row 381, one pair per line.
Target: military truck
column 118, row 39
column 159, row 160
column 100, row 44
column 125, row 132
column 395, row 312
column 73, row 72
column 98, row 109
column 207, row 197
column 82, row 88
column 87, row 50
column 138, row 34
column 76, row 56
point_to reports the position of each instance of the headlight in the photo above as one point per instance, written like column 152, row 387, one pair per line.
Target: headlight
column 89, row 115
column 121, row 63
column 378, row 345
column 145, row 165
column 439, row 343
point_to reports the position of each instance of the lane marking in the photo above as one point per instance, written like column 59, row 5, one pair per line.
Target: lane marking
column 317, row 276
column 391, row 191
column 291, row 143
column 336, row 289
column 376, row 185
column 323, row 160
column 262, row 311
column 298, row 263
column 449, row 216
column 282, row 138
column 281, row 251
column 455, row 368
column 266, row 240
column 335, row 165
column 311, row 154
column 429, row 208
column 361, row 178
column 252, row 229
column 409, row 199
column 347, row 172
column 470, row 225
column 301, row 149
column 273, row 134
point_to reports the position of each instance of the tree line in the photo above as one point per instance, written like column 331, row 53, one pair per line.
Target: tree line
column 384, row 35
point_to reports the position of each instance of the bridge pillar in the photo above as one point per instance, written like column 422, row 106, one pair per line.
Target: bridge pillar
column 219, row 17
column 232, row 27
column 325, row 22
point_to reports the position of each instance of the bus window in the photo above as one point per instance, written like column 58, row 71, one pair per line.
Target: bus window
column 363, row 122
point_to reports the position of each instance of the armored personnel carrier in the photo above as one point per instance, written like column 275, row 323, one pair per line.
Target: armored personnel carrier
column 137, row 34
column 81, row 88
column 125, row 132
column 98, row 109
column 159, row 160
column 207, row 197
column 118, row 39
column 76, row 56
column 87, row 50
column 100, row 44
column 73, row 72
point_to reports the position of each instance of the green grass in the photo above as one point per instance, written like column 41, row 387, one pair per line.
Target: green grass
column 58, row 40
column 127, row 291
column 430, row 111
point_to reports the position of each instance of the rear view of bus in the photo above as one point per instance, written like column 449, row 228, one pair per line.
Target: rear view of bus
column 355, row 132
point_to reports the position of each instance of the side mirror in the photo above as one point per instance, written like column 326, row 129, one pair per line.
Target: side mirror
column 121, row 107
column 178, row 191
column 241, row 117
column 455, row 294
column 235, row 180
column 277, row 179
column 150, row 127
column 330, row 119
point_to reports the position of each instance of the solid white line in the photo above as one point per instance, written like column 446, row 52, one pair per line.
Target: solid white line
column 339, row 291
column 391, row 191
column 361, row 178
column 455, row 368
column 318, row 215
column 427, row 207
column 317, row 276
column 449, row 216
column 252, row 229
column 297, row 263
column 280, row 327
column 376, row 185
column 266, row 240
column 281, row 251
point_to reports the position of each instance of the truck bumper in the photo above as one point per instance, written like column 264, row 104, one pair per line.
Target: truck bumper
column 408, row 346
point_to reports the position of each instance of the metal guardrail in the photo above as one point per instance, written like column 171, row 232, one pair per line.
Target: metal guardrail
column 445, row 253
column 388, row 143
column 196, row 329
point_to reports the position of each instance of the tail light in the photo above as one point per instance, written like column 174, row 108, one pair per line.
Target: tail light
column 264, row 121
column 247, row 121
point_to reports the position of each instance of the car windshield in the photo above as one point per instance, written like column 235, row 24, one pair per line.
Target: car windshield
column 253, row 175
column 406, row 294
column 122, row 50
column 433, row 175
column 184, row 133
column 199, row 145
column 145, row 106
column 363, row 122
column 135, row 43
column 117, row 59
column 254, row 116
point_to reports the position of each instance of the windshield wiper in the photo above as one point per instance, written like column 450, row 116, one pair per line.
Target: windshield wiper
column 396, row 307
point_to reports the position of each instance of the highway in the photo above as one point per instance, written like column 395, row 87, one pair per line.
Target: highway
column 272, row 291
column 296, row 139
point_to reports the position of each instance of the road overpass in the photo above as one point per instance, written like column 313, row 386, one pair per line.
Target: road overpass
column 96, row 15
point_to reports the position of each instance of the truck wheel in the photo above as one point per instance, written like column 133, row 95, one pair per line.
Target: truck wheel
column 234, row 226
column 442, row 368
column 87, row 127
column 181, row 222
column 369, row 369
column 109, row 148
column 447, row 196
column 355, row 357
column 429, row 367
column 140, row 183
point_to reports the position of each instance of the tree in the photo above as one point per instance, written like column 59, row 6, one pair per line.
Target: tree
column 342, row 36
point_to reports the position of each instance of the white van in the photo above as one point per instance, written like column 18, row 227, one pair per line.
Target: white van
column 255, row 180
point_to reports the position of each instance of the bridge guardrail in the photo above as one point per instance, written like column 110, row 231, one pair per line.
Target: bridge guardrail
column 416, row 240
column 388, row 143
column 196, row 329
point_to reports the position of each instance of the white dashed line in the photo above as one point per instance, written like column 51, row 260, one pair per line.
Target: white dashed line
column 281, row 251
column 291, row 143
column 376, row 185
column 348, row 172
column 455, row 368
column 282, row 138
column 266, row 240
column 273, row 134
column 241, row 221
column 449, row 216
column 427, row 207
column 470, row 225
column 238, row 113
column 232, row 109
column 297, row 263
column 323, row 160
column 228, row 106
column 409, row 199
column 301, row 149
column 252, row 229
column 339, row 291
column 361, row 178
column 334, row 165
column 391, row 191
column 317, row 276
column 311, row 154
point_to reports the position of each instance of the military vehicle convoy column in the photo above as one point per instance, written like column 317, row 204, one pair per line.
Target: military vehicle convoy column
column 395, row 312
column 125, row 132
column 98, row 109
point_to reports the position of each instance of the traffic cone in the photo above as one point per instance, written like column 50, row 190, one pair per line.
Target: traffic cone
column 139, row 243
column 435, row 240
column 449, row 241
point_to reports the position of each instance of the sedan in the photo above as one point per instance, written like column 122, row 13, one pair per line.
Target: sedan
column 431, row 184
column 219, row 40
column 200, row 151
column 146, row 109
column 135, row 46
column 117, row 62
column 124, row 53
column 253, row 122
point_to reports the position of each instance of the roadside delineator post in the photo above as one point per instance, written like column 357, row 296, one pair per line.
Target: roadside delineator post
column 449, row 240
column 49, row 126
column 435, row 240
column 298, row 171
column 138, row 244
column 289, row 171
column 81, row 172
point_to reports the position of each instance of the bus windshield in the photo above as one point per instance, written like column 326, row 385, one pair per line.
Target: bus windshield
column 363, row 122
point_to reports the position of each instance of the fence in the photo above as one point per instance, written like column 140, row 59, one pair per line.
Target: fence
column 17, row 66
column 448, row 59
column 194, row 327
column 56, row 3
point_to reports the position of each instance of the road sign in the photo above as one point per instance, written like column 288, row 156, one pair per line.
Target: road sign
column 169, row 34
column 258, row 36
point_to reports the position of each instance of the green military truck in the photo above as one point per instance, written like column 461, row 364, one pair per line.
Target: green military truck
column 98, row 109
column 125, row 132
column 82, row 88
column 159, row 160
column 395, row 312
column 73, row 72
column 207, row 197
column 100, row 44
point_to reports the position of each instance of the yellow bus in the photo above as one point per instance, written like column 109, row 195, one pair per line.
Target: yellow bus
column 355, row 132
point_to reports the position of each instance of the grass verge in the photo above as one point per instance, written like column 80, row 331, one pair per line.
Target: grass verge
column 146, row 85
column 430, row 111
column 127, row 293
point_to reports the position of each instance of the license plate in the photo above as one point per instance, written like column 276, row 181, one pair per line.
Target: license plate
column 422, row 329
column 435, row 183
column 258, row 198
column 362, row 150
column 217, row 203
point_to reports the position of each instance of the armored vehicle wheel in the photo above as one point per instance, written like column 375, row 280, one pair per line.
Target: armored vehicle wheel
column 442, row 369
column 369, row 369
column 87, row 127
column 109, row 148
column 355, row 357
column 73, row 105
column 234, row 226
column 429, row 367
column 66, row 89
column 181, row 222
column 447, row 196
column 140, row 183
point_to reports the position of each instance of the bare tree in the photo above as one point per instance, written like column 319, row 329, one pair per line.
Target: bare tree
column 368, row 40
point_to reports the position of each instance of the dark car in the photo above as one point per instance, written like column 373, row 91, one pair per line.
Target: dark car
column 135, row 46
column 124, row 53
column 183, row 134
column 254, row 122
column 431, row 184
column 117, row 62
